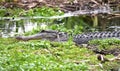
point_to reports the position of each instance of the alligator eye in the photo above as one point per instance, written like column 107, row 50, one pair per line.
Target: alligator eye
column 60, row 34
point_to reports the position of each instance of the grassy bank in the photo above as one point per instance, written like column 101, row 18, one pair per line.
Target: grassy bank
column 41, row 55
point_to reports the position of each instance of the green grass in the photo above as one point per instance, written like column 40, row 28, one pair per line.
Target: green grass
column 106, row 43
column 38, row 55
column 44, row 56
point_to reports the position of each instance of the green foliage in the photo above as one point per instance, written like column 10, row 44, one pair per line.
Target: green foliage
column 37, row 55
column 45, row 56
column 77, row 23
column 38, row 45
column 106, row 43
column 45, row 11
column 110, row 41
column 18, row 12
column 2, row 12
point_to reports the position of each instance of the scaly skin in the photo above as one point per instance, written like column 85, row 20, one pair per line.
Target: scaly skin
column 47, row 35
column 62, row 36
column 84, row 38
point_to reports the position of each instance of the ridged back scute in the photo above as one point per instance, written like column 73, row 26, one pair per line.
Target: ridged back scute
column 84, row 38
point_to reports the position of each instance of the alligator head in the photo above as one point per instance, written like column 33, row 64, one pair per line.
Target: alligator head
column 51, row 35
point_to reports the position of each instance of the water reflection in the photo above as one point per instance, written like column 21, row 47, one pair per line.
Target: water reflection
column 11, row 28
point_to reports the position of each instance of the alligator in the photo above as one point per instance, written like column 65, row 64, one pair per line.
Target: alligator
column 84, row 38
column 51, row 35
column 54, row 35
column 79, row 39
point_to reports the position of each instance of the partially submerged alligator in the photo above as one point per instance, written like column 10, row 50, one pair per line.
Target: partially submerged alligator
column 53, row 35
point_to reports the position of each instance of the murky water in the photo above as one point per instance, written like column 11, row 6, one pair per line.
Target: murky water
column 10, row 28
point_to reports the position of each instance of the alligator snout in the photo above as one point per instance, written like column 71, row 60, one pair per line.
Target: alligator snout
column 51, row 35
column 21, row 38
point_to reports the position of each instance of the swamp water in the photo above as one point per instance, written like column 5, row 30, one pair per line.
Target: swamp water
column 13, row 27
